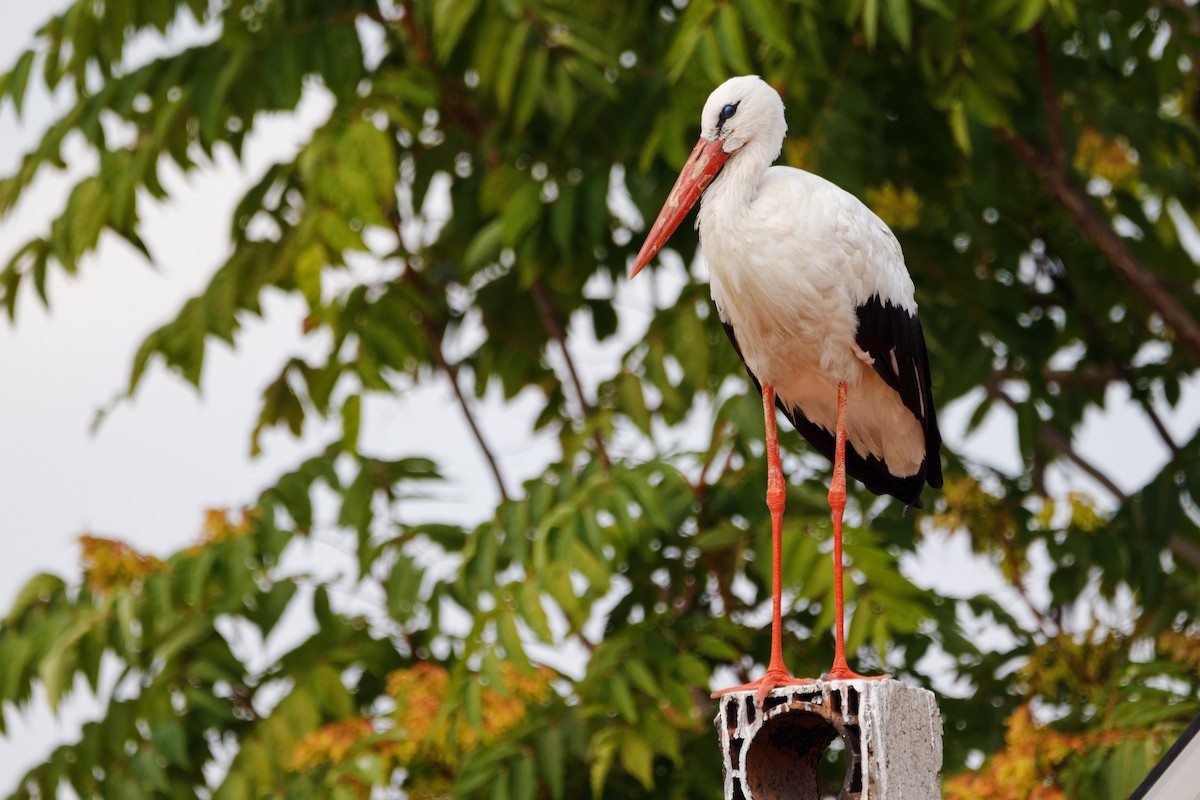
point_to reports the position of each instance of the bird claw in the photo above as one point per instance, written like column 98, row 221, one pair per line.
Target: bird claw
column 764, row 686
column 846, row 674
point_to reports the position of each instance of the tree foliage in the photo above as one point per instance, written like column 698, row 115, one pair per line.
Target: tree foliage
column 1033, row 156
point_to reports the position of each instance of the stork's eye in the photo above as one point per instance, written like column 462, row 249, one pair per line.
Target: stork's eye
column 727, row 112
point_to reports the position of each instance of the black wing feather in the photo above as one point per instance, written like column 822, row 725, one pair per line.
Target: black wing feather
column 870, row 471
column 893, row 337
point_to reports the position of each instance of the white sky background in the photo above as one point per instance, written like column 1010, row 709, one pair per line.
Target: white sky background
column 158, row 461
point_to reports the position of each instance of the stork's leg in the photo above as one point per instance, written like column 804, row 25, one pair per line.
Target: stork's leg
column 777, row 674
column 776, row 496
column 837, row 503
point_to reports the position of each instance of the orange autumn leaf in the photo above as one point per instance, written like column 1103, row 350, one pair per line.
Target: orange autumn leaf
column 1182, row 647
column 113, row 564
column 1103, row 157
column 420, row 691
column 329, row 743
column 1028, row 766
column 219, row 526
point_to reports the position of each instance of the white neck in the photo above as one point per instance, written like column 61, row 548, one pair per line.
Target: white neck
column 729, row 195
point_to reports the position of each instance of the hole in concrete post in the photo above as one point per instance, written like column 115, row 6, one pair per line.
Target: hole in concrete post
column 833, row 771
column 853, row 737
column 731, row 718
column 855, row 777
column 782, row 761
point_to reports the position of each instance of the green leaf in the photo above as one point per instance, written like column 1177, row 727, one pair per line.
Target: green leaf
column 633, row 401
column 603, row 751
column 551, row 760
column 530, row 604
column 622, row 699
column 184, row 635
column 716, row 648
column 958, row 126
column 403, row 588
column 450, row 18
column 510, row 640
column 18, row 80
column 351, row 421
column 484, row 245
column 170, row 740
column 870, row 21
column 272, row 604
column 524, row 779
column 641, row 676
column 1028, row 14
column 530, row 92
column 732, row 43
column 897, row 16
column 766, row 20
column 637, row 757
column 509, row 68
column 38, row 590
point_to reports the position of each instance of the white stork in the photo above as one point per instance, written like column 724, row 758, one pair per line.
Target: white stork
column 812, row 289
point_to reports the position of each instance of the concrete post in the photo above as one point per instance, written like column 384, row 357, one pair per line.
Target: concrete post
column 892, row 732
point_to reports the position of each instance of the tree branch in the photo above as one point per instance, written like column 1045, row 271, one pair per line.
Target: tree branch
column 1190, row 12
column 433, row 336
column 1050, row 99
column 1098, row 378
column 546, row 311
column 1184, row 549
column 1083, row 378
column 1058, row 443
column 1148, row 407
column 1097, row 229
column 457, row 108
column 451, row 371
column 1180, row 547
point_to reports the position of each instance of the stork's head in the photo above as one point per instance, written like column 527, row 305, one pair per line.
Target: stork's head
column 741, row 111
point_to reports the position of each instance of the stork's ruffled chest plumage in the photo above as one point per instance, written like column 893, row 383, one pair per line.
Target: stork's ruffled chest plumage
column 794, row 261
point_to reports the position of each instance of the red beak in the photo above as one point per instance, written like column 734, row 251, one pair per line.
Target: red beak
column 702, row 166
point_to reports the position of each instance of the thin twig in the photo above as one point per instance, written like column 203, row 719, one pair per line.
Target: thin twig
column 1185, row 549
column 1098, row 378
column 1179, row 546
column 1081, row 378
column 546, row 310
column 1050, row 98
column 451, row 371
column 1060, row 444
column 1148, row 407
column 433, row 336
column 458, row 109
column 409, row 20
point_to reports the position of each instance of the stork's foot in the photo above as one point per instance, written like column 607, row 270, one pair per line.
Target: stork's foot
column 765, row 685
column 844, row 673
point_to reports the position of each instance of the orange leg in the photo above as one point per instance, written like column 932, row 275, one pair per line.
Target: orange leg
column 837, row 503
column 777, row 674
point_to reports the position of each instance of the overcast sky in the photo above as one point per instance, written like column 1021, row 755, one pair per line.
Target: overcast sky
column 159, row 460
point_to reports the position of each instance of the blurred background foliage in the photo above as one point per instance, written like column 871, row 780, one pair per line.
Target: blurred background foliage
column 480, row 180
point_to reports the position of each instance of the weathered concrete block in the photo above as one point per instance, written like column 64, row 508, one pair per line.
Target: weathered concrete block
column 893, row 736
